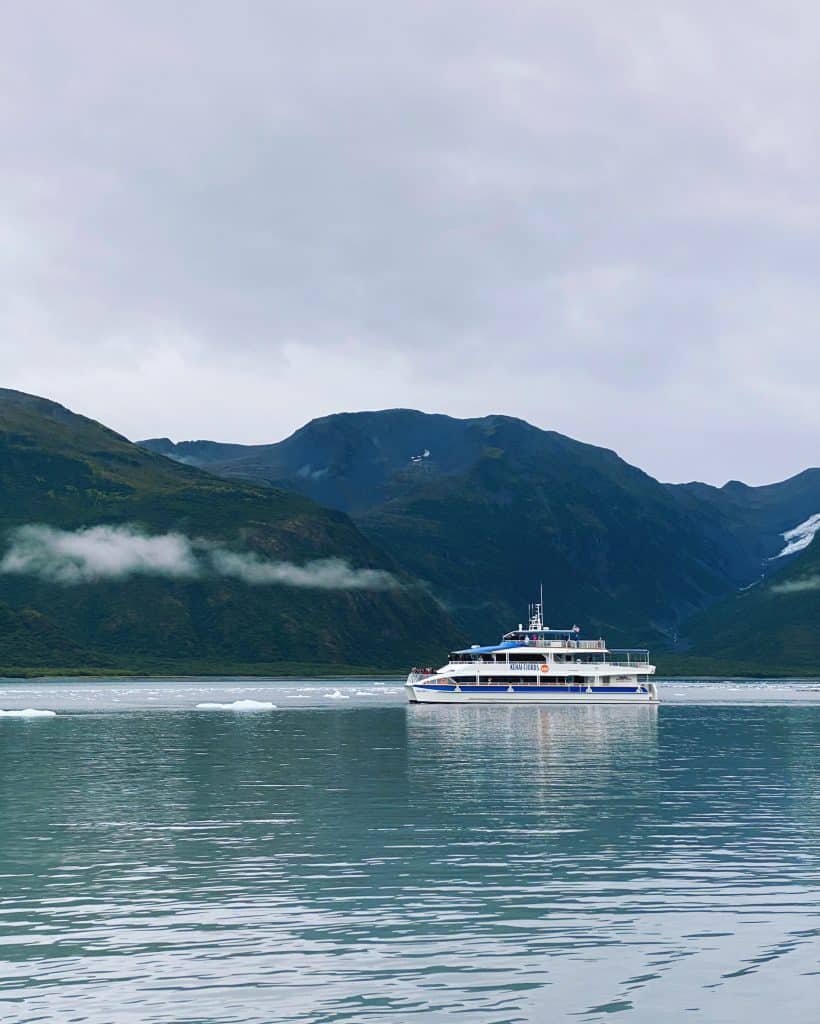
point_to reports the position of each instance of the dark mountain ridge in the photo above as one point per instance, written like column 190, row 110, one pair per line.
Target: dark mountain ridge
column 482, row 509
column 65, row 471
column 759, row 516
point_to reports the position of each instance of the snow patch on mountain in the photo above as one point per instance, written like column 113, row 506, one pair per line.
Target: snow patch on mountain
column 800, row 536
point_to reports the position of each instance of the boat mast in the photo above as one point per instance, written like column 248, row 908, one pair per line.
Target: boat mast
column 537, row 612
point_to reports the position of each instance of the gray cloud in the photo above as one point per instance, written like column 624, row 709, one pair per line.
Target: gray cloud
column 220, row 220
column 117, row 552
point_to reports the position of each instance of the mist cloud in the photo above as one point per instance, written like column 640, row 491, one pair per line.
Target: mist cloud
column 324, row 574
column 797, row 586
column 96, row 553
column 118, row 552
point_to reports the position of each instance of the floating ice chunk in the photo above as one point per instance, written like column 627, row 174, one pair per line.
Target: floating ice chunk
column 338, row 695
column 28, row 713
column 237, row 705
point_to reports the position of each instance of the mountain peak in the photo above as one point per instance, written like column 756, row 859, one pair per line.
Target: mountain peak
column 9, row 398
column 31, row 413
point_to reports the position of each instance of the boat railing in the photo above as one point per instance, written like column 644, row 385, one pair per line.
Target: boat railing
column 582, row 645
column 418, row 674
column 626, row 657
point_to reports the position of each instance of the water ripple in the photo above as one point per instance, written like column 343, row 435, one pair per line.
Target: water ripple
column 362, row 860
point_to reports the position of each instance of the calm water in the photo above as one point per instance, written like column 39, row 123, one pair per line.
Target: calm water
column 345, row 857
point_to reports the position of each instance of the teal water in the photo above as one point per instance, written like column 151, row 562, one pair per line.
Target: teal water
column 347, row 857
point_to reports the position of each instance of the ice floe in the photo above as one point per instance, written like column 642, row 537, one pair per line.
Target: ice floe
column 237, row 705
column 28, row 713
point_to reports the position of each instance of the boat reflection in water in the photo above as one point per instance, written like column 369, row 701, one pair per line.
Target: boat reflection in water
column 590, row 769
column 591, row 730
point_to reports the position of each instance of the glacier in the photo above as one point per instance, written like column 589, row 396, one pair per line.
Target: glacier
column 800, row 536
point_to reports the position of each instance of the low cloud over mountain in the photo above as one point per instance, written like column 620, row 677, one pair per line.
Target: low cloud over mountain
column 117, row 552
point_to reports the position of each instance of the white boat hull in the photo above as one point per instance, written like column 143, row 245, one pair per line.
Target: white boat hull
column 432, row 694
column 537, row 665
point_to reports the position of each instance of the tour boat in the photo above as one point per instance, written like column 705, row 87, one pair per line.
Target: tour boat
column 538, row 665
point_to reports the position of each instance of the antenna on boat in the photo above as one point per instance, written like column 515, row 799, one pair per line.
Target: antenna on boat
column 537, row 612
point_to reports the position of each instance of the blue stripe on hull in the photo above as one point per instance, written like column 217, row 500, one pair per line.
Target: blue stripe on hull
column 529, row 689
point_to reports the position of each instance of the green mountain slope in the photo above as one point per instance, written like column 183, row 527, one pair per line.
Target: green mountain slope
column 70, row 473
column 615, row 552
column 772, row 626
column 484, row 509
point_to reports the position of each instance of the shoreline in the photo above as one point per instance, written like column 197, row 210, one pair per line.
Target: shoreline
column 336, row 672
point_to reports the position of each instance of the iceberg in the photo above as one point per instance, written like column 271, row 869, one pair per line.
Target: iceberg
column 28, row 713
column 237, row 705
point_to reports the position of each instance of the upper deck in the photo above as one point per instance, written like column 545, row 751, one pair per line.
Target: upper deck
column 539, row 643
column 581, row 652
column 528, row 639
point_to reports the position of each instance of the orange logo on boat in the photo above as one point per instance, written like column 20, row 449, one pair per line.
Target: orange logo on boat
column 545, row 668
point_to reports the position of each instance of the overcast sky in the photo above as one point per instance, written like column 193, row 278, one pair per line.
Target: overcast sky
column 222, row 219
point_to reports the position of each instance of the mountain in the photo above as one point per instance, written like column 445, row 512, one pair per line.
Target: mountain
column 438, row 529
column 484, row 509
column 350, row 461
column 194, row 591
column 771, row 627
column 759, row 516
